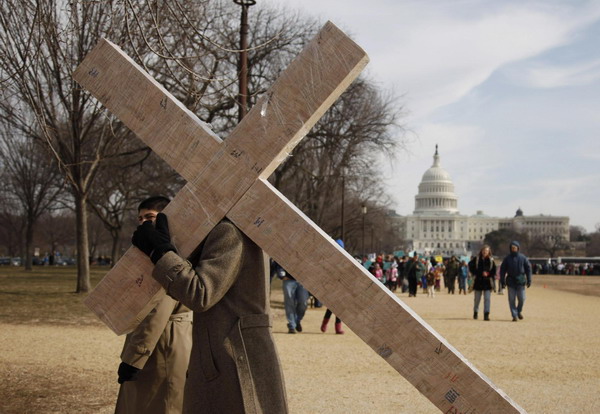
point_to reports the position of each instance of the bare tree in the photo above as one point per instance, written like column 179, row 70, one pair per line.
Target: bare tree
column 548, row 243
column 593, row 246
column 32, row 179
column 42, row 44
column 11, row 226
column 194, row 51
column 578, row 233
column 56, row 232
column 191, row 48
column 343, row 154
column 195, row 57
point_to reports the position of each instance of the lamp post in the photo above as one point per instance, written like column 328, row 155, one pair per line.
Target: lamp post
column 364, row 214
column 343, row 236
column 243, row 58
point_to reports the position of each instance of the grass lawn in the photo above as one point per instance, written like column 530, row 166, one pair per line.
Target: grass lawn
column 45, row 295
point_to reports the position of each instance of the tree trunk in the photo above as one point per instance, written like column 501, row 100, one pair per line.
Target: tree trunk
column 116, row 236
column 28, row 243
column 83, row 263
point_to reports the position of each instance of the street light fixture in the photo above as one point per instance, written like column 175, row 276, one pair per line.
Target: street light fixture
column 243, row 58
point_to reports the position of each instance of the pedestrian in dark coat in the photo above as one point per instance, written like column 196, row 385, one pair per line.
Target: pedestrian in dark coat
column 483, row 268
column 415, row 269
column 515, row 272
column 451, row 273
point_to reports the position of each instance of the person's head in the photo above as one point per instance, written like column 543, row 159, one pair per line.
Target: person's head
column 150, row 207
column 514, row 247
column 485, row 251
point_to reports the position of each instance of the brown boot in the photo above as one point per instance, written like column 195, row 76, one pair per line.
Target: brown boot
column 338, row 328
column 324, row 324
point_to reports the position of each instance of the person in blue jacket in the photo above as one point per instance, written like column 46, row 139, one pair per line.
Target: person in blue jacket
column 515, row 272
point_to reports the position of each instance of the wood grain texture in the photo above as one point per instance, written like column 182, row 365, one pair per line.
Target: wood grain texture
column 148, row 109
column 375, row 314
column 218, row 173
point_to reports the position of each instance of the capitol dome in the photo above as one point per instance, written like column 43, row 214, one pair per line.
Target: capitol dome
column 436, row 191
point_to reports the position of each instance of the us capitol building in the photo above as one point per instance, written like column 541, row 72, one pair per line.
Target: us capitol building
column 437, row 228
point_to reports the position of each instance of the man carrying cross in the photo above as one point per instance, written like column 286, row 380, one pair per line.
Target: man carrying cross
column 234, row 367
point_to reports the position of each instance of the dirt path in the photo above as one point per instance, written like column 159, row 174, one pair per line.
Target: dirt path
column 549, row 362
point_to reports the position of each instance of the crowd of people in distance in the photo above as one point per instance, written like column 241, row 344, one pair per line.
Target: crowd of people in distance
column 479, row 275
column 431, row 274
column 575, row 269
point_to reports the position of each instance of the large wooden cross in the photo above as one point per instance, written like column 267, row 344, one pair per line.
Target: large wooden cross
column 229, row 179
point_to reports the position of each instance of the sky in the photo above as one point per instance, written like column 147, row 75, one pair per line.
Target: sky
column 509, row 90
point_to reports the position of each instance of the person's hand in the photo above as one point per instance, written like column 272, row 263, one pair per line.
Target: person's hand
column 153, row 240
column 127, row 373
column 504, row 286
column 528, row 284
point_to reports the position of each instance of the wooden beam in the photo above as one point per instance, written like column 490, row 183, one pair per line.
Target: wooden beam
column 377, row 316
column 147, row 109
column 221, row 171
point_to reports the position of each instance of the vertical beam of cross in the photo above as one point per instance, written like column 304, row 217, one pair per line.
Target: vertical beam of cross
column 227, row 178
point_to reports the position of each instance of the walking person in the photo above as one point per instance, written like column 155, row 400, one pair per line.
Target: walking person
column 402, row 282
column 515, row 273
column 328, row 313
column 451, row 273
column 338, row 323
column 431, row 275
column 500, row 287
column 483, row 269
column 414, row 270
column 463, row 274
column 295, row 299
column 391, row 276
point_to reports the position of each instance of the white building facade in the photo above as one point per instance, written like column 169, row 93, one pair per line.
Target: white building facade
column 436, row 226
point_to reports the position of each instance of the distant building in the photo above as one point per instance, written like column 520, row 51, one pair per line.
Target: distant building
column 437, row 228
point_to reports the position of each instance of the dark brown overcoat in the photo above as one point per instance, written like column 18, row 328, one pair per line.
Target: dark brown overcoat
column 234, row 366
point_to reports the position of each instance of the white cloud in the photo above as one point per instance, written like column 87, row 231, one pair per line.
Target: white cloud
column 447, row 56
column 554, row 76
column 436, row 52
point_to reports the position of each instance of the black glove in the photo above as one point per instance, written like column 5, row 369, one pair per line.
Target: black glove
column 153, row 240
column 127, row 373
column 528, row 284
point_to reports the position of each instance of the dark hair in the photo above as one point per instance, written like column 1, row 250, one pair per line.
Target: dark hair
column 157, row 203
